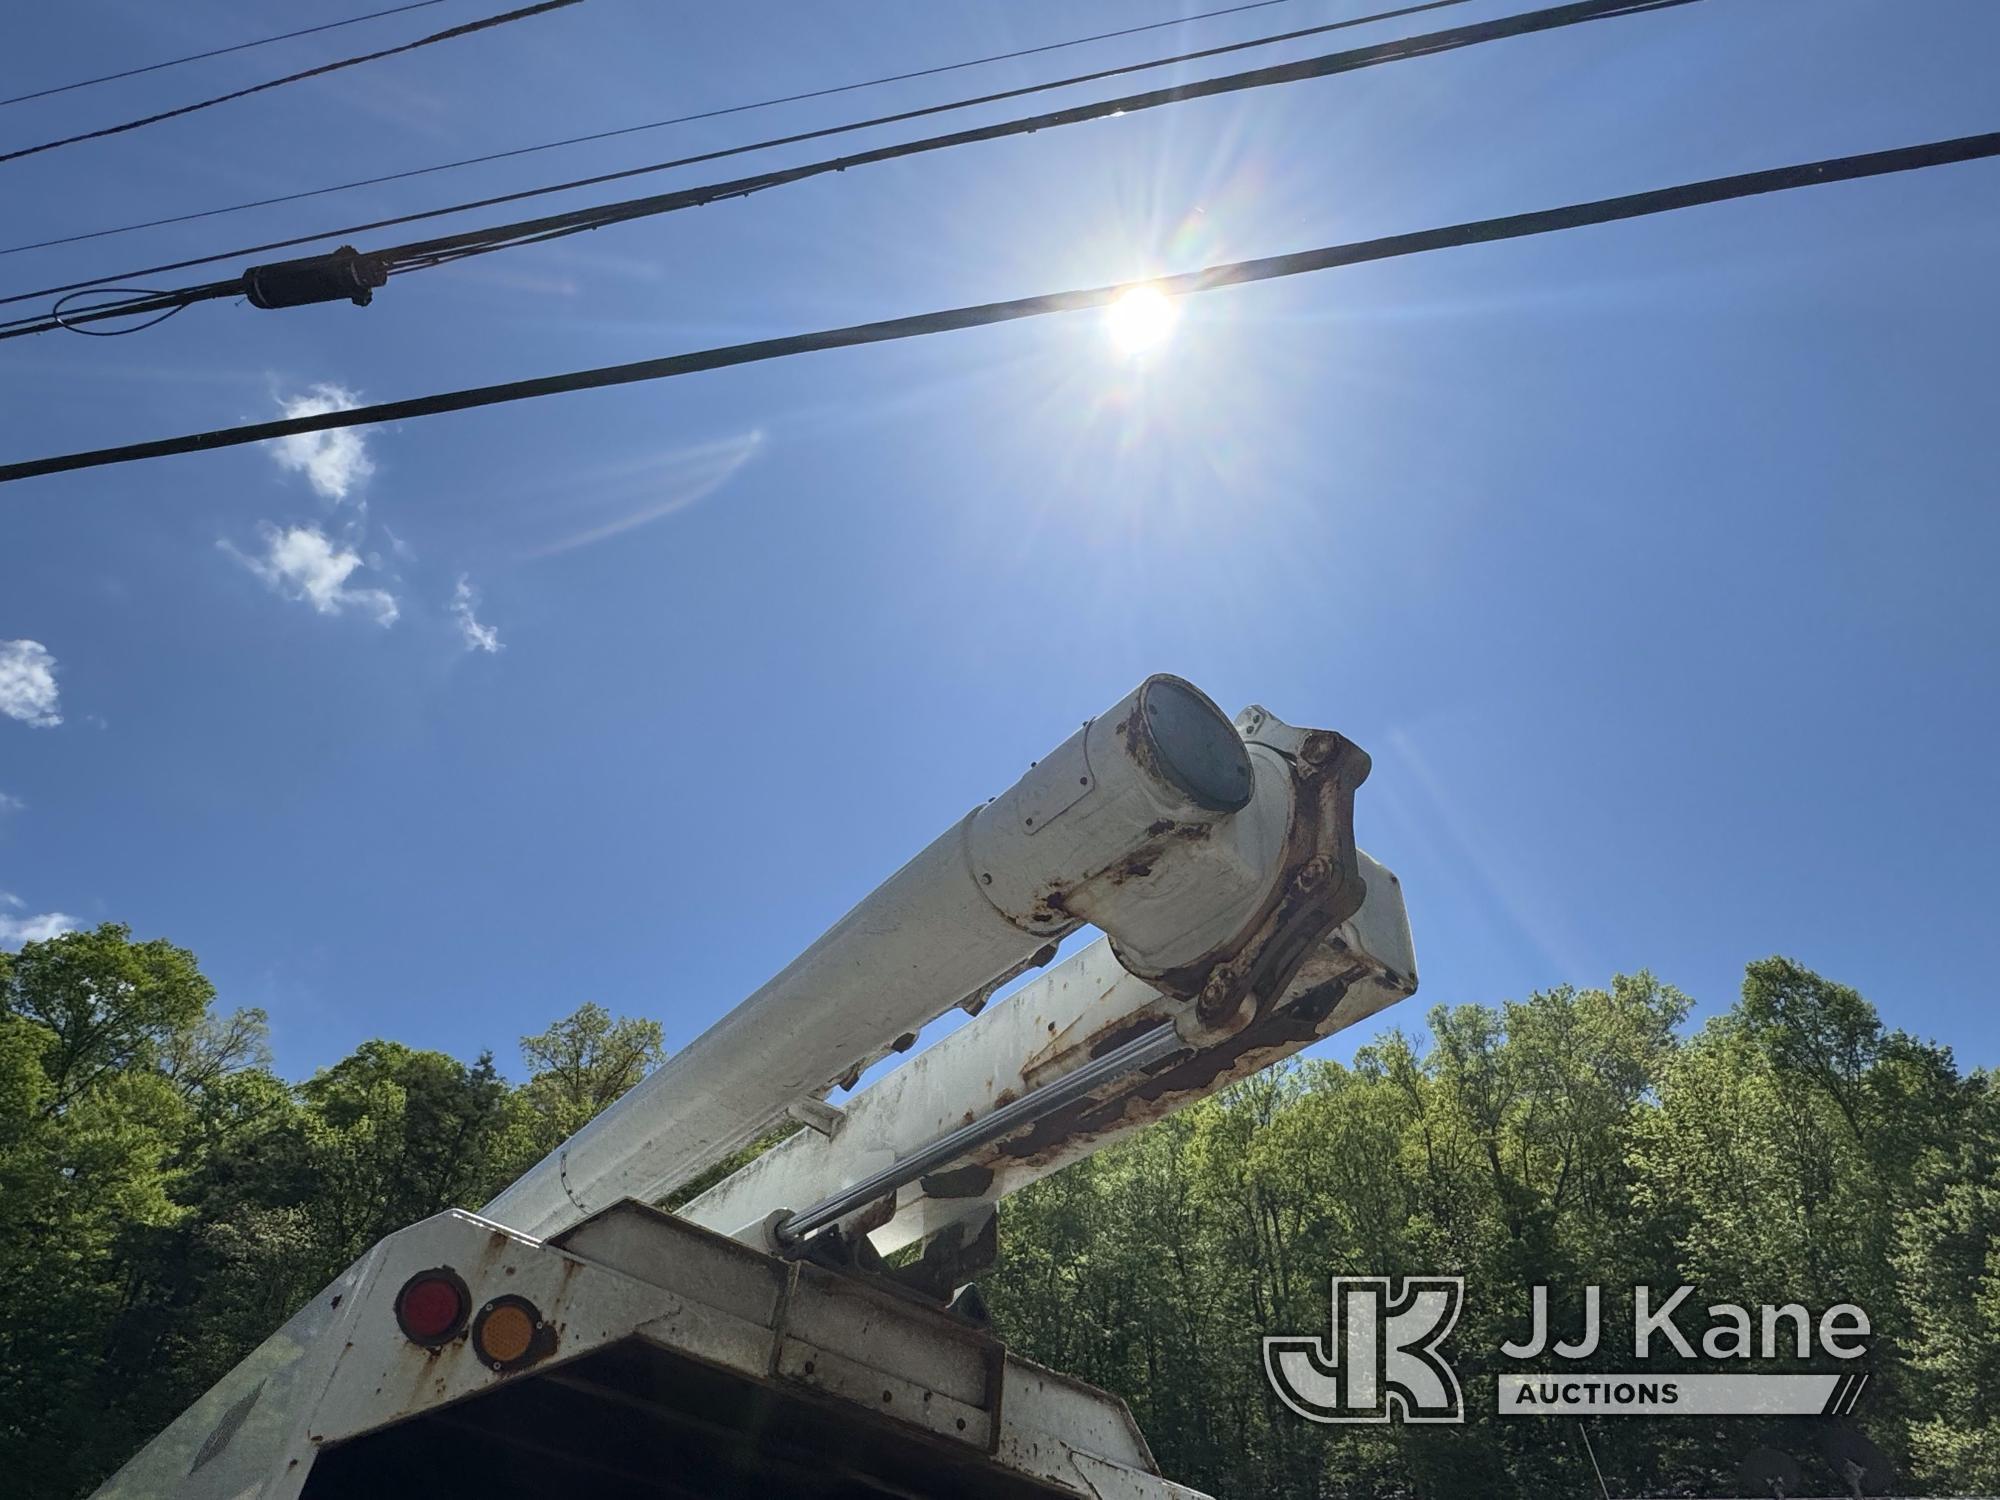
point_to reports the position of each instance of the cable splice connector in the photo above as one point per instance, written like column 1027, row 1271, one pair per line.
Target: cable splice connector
column 343, row 275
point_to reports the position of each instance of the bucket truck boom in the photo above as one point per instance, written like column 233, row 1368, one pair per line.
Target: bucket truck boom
column 1156, row 821
column 570, row 1337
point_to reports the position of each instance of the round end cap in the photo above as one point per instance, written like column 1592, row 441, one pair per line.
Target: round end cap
column 1197, row 748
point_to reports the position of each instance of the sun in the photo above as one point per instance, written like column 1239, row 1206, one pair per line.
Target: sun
column 1140, row 319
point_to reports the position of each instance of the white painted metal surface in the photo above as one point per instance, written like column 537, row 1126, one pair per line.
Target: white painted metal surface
column 1044, row 1030
column 1162, row 777
column 889, row 1371
column 1054, row 850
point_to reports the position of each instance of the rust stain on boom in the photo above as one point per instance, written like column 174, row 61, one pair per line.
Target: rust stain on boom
column 1266, row 1040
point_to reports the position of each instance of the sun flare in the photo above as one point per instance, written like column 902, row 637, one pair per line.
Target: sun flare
column 1140, row 319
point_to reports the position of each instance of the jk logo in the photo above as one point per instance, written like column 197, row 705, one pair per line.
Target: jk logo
column 1382, row 1362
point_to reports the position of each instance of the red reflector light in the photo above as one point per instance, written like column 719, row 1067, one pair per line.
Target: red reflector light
column 431, row 1307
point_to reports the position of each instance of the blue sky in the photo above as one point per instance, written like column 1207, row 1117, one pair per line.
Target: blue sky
column 1652, row 563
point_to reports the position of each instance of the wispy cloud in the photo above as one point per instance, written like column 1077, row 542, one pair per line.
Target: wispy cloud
column 301, row 563
column 39, row 928
column 616, row 499
column 10, row 804
column 28, row 684
column 477, row 637
column 335, row 463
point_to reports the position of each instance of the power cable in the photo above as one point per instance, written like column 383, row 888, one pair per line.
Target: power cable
column 175, row 62
column 56, row 312
column 605, row 135
column 333, row 67
column 215, row 53
column 822, row 133
column 424, row 254
column 1235, row 273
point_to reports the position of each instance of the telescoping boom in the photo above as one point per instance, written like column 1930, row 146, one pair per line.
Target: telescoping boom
column 570, row 1337
column 1201, row 855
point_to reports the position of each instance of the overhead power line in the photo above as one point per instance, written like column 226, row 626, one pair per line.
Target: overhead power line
column 423, row 254
column 706, row 114
column 822, row 133
column 175, row 62
column 1235, row 273
column 447, row 35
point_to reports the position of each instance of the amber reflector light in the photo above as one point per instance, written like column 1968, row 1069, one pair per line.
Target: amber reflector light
column 506, row 1331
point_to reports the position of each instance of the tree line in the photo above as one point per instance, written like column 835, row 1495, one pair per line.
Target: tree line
column 1790, row 1150
column 167, row 1200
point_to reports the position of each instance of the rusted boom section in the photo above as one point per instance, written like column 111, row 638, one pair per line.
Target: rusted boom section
column 1319, row 885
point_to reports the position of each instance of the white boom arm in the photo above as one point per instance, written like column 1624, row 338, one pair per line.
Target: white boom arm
column 1211, row 861
column 1042, row 1034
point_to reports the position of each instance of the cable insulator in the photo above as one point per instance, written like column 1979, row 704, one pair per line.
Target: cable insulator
column 343, row 275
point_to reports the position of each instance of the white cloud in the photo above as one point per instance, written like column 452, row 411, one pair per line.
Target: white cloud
column 333, row 462
column 635, row 494
column 15, row 931
column 28, row 684
column 10, row 804
column 477, row 637
column 301, row 563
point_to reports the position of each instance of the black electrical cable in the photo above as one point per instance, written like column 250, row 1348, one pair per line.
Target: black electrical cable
column 137, row 303
column 605, row 135
column 425, row 253
column 899, row 117
column 1236, row 273
column 447, row 35
column 175, row 62
column 111, row 333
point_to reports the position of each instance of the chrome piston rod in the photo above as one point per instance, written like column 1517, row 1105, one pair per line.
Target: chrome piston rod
column 1142, row 1051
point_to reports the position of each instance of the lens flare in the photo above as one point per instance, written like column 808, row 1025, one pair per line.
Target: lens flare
column 1140, row 320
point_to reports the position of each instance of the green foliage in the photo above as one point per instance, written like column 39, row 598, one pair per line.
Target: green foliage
column 710, row 1175
column 582, row 1065
column 1948, row 1258
column 390, row 1135
column 1792, row 1147
column 108, row 1003
column 166, row 1201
